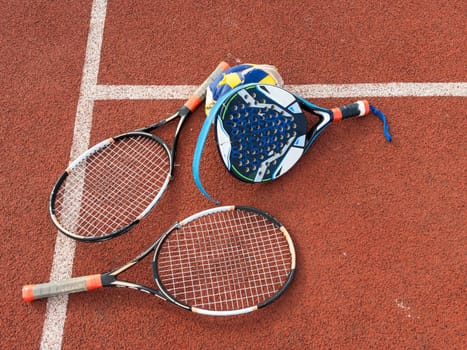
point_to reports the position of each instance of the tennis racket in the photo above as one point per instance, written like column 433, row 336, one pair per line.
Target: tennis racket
column 113, row 185
column 223, row 261
column 262, row 130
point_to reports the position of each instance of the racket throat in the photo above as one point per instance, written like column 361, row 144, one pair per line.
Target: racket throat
column 108, row 279
column 183, row 113
column 316, row 130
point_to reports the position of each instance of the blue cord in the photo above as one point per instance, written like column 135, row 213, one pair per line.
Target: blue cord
column 384, row 120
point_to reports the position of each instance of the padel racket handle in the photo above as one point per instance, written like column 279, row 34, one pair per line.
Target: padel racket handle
column 356, row 109
column 200, row 94
column 78, row 284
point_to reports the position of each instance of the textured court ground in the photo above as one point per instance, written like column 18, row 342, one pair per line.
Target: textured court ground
column 379, row 228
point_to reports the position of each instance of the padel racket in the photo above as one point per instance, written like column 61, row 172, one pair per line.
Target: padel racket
column 262, row 130
column 222, row 261
column 113, row 185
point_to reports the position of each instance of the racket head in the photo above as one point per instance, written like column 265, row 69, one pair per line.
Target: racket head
column 111, row 187
column 225, row 261
column 260, row 132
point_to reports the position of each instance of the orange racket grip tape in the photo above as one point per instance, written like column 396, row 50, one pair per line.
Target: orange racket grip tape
column 336, row 115
column 193, row 103
column 93, row 282
column 200, row 94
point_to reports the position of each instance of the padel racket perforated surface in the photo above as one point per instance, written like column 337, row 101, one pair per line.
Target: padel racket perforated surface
column 113, row 185
column 262, row 130
column 222, row 261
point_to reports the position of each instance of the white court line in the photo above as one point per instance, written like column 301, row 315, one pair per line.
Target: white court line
column 182, row 92
column 90, row 91
column 62, row 265
column 381, row 90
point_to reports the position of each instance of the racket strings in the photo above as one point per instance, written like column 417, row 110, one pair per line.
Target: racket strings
column 225, row 261
column 110, row 188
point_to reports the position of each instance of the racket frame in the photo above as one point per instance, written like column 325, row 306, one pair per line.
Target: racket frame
column 109, row 279
column 193, row 102
column 326, row 117
column 87, row 154
column 166, row 294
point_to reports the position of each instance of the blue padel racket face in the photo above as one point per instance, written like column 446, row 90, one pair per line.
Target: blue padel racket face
column 261, row 132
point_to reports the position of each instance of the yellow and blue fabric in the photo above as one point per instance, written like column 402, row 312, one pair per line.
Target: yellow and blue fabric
column 240, row 75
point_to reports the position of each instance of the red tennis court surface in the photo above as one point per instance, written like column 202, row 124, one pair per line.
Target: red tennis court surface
column 379, row 227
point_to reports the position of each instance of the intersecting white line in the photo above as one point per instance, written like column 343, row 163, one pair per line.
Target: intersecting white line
column 90, row 91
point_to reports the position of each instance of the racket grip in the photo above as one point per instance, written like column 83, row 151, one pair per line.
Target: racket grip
column 200, row 94
column 73, row 285
column 356, row 109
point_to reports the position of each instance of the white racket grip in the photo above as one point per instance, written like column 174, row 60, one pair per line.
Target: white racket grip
column 200, row 94
column 73, row 285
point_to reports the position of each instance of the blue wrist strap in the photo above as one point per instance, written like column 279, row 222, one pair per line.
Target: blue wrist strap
column 203, row 135
column 381, row 116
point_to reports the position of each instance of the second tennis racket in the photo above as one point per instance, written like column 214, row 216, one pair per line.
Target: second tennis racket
column 112, row 186
column 223, row 261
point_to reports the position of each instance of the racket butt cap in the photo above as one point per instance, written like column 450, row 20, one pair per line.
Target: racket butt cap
column 27, row 293
column 366, row 105
column 224, row 65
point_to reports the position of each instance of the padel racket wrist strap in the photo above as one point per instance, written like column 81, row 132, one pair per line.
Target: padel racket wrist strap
column 203, row 135
column 360, row 109
column 381, row 116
